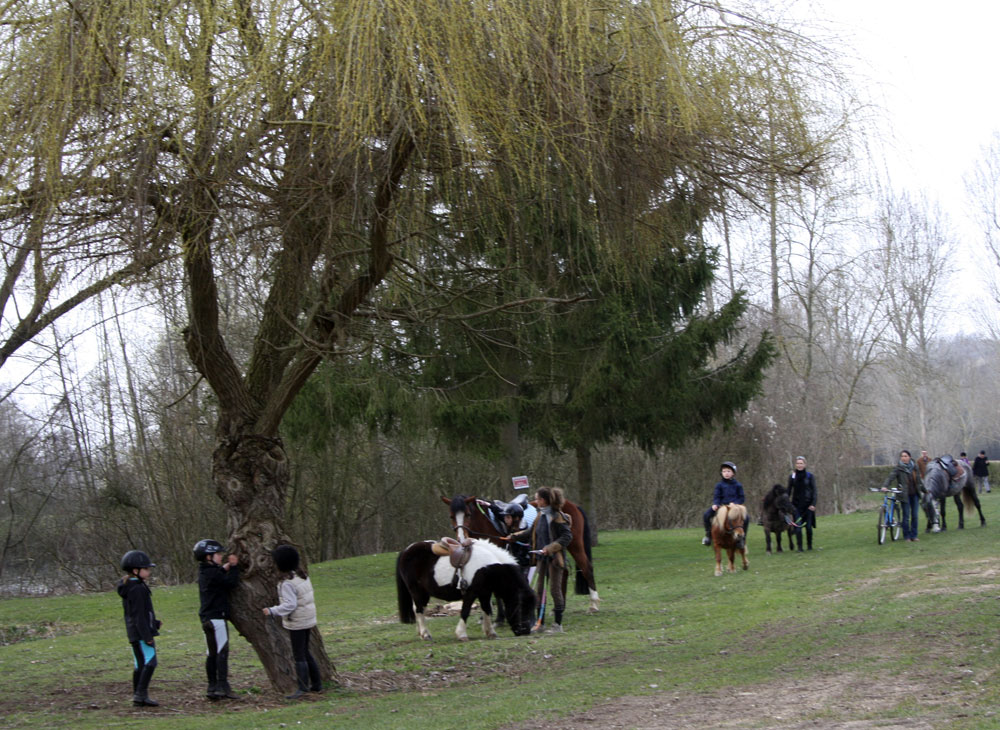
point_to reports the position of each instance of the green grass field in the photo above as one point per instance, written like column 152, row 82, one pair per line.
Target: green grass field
column 852, row 633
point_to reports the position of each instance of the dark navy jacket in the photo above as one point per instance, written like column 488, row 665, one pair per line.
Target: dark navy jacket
column 806, row 496
column 728, row 491
column 137, row 605
column 214, row 584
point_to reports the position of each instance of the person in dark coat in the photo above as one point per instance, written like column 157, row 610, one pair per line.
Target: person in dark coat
column 141, row 624
column 550, row 535
column 906, row 475
column 981, row 472
column 216, row 578
column 727, row 491
column 802, row 491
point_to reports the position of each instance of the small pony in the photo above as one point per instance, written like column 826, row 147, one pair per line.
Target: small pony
column 778, row 516
column 462, row 571
column 729, row 534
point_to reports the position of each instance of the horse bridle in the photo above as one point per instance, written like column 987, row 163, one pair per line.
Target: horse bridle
column 472, row 533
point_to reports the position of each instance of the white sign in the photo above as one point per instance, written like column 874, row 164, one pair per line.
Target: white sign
column 520, row 482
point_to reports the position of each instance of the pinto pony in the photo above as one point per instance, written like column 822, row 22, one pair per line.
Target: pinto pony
column 729, row 534
column 470, row 517
column 945, row 478
column 423, row 571
column 778, row 516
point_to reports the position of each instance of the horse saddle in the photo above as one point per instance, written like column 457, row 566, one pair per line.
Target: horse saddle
column 458, row 553
column 953, row 468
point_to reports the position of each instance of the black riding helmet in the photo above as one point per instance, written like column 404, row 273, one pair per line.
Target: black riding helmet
column 728, row 465
column 514, row 510
column 136, row 559
column 206, row 547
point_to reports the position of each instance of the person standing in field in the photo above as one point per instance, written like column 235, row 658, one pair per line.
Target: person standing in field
column 549, row 536
column 298, row 614
column 141, row 624
column 802, row 491
column 216, row 578
column 981, row 472
column 907, row 478
column 922, row 463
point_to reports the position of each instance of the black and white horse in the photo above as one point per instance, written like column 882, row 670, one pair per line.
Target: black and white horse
column 946, row 478
column 490, row 571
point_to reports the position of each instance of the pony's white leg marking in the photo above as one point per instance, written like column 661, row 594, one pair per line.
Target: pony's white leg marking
column 422, row 626
column 488, row 627
column 460, row 631
column 594, row 600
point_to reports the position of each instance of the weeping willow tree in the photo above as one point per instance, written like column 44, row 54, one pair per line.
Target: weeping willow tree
column 330, row 158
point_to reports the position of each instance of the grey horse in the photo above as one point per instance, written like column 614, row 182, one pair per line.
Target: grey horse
column 947, row 478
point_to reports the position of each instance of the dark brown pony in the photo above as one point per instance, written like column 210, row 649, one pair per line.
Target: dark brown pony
column 729, row 534
column 470, row 514
column 777, row 516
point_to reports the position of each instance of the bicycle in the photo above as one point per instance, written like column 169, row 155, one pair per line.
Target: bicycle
column 890, row 514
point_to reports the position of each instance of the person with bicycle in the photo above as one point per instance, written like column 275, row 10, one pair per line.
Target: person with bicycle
column 906, row 475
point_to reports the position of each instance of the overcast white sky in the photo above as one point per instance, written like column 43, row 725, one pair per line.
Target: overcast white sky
column 934, row 69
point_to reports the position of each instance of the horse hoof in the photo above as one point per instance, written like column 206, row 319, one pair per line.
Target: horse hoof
column 718, row 573
column 592, row 610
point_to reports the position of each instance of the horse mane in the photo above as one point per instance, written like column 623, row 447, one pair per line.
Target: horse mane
column 458, row 503
column 772, row 496
column 722, row 515
column 719, row 520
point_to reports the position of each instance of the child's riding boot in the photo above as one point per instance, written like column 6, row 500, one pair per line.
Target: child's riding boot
column 141, row 696
column 315, row 678
column 302, row 673
column 211, row 670
column 222, row 688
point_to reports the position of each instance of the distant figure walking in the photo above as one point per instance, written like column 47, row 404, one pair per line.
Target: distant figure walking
column 802, row 491
column 981, row 471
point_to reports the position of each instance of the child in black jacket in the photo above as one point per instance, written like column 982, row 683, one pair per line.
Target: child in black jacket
column 141, row 624
column 216, row 578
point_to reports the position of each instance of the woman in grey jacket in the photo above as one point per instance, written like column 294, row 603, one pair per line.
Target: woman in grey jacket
column 298, row 614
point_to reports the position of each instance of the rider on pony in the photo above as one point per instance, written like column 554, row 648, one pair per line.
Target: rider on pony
column 727, row 491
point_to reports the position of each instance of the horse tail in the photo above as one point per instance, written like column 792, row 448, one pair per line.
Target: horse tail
column 969, row 499
column 403, row 597
column 581, row 586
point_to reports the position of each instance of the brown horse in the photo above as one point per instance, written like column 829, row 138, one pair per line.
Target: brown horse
column 470, row 515
column 729, row 534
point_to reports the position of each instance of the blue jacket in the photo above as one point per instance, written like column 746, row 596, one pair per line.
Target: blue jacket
column 728, row 491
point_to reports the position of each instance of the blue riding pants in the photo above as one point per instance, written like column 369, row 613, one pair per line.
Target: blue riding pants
column 911, row 515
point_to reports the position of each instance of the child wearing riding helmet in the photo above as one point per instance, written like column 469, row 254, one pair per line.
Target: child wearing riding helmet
column 298, row 614
column 727, row 491
column 216, row 578
column 141, row 624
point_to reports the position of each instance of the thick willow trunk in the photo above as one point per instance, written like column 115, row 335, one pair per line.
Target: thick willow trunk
column 251, row 478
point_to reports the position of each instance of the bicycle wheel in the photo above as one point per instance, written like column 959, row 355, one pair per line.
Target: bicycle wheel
column 881, row 525
column 897, row 520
